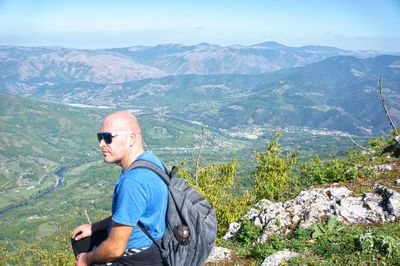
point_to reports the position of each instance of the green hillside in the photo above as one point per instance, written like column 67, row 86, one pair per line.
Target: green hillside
column 38, row 139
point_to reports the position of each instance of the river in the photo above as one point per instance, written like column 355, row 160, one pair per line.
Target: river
column 60, row 179
column 60, row 176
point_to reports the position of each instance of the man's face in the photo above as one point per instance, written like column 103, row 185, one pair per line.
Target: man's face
column 115, row 151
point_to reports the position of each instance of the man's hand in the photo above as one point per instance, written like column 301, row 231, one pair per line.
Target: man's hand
column 82, row 260
column 86, row 230
column 109, row 250
column 82, row 231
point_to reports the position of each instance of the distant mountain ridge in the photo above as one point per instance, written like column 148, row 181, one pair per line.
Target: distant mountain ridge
column 208, row 59
column 30, row 64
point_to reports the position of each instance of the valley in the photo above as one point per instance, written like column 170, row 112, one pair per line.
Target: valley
column 52, row 101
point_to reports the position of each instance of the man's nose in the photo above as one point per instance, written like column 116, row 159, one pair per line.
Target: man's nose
column 102, row 143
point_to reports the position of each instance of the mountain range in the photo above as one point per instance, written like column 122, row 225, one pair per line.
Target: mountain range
column 120, row 65
column 233, row 87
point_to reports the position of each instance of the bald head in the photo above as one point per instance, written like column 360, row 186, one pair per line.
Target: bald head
column 122, row 121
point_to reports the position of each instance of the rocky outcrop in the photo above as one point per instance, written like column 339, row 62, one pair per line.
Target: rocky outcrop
column 316, row 204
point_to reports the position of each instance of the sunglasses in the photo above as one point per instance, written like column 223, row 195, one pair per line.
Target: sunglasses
column 107, row 136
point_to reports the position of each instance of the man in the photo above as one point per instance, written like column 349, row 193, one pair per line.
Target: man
column 139, row 194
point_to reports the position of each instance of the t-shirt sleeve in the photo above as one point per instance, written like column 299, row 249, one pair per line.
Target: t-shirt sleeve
column 130, row 202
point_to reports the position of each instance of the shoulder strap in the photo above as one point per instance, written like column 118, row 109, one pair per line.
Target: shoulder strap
column 164, row 177
column 152, row 167
column 141, row 226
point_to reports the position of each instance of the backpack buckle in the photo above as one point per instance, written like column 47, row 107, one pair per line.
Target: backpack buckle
column 182, row 234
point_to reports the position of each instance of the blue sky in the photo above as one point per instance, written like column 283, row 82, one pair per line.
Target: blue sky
column 346, row 24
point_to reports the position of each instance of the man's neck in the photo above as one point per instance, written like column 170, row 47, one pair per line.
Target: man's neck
column 131, row 157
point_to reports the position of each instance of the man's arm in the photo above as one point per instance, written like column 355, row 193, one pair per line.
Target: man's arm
column 86, row 230
column 110, row 249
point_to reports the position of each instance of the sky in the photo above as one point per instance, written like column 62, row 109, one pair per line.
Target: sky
column 345, row 24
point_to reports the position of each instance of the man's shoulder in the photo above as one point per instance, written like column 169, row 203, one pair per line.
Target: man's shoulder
column 142, row 174
column 150, row 157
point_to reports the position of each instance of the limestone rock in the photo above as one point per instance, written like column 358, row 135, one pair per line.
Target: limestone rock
column 383, row 167
column 351, row 210
column 276, row 222
column 391, row 202
column 219, row 254
column 373, row 201
column 233, row 228
column 252, row 213
column 276, row 259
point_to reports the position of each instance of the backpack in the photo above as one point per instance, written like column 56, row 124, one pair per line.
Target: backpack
column 191, row 223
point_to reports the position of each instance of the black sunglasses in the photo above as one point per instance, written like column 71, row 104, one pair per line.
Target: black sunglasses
column 107, row 136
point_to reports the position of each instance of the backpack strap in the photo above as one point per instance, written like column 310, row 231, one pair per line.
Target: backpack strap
column 164, row 177
column 144, row 230
column 154, row 168
column 141, row 226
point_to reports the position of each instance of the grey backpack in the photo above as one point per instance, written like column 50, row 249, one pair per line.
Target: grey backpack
column 191, row 223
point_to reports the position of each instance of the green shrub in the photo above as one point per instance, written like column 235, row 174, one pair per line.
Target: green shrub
column 388, row 246
column 247, row 233
column 369, row 242
column 330, row 228
column 273, row 245
column 315, row 171
column 273, row 175
column 378, row 144
column 217, row 183
column 382, row 144
column 60, row 253
column 365, row 242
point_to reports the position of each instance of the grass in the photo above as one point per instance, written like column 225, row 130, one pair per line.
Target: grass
column 339, row 248
column 46, row 229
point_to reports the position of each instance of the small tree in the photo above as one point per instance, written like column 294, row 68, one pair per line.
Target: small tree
column 217, row 183
column 273, row 174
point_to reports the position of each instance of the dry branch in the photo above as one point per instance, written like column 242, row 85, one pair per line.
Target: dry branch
column 87, row 216
column 384, row 104
column 355, row 143
column 202, row 140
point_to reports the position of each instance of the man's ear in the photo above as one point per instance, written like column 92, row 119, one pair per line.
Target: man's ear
column 132, row 139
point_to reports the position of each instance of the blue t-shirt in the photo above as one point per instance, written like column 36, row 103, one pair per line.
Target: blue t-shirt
column 140, row 194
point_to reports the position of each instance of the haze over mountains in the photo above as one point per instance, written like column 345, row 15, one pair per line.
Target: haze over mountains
column 140, row 62
column 233, row 87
